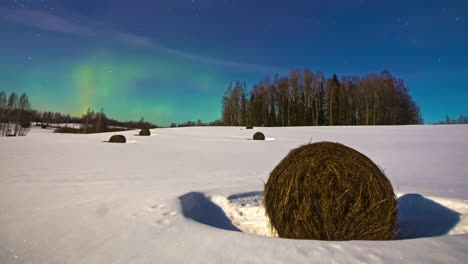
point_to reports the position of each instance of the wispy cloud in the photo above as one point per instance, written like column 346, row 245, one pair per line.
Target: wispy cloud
column 147, row 42
column 45, row 21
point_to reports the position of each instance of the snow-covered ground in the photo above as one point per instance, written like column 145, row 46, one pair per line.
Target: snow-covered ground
column 193, row 195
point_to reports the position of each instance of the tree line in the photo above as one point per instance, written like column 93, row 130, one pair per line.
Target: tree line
column 91, row 122
column 462, row 119
column 15, row 114
column 306, row 98
column 197, row 123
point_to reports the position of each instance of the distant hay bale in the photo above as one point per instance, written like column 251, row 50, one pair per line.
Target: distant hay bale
column 258, row 136
column 249, row 127
column 145, row 132
column 118, row 139
column 328, row 191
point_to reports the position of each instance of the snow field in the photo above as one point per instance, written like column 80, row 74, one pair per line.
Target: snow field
column 180, row 197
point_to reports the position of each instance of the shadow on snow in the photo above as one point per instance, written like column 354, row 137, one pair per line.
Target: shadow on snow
column 420, row 217
column 196, row 206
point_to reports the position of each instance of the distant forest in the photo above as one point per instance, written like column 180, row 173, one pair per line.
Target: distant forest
column 462, row 119
column 17, row 116
column 306, row 98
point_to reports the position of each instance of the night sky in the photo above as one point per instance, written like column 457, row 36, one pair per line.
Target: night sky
column 170, row 61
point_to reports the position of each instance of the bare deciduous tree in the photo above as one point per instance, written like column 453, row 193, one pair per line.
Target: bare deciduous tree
column 308, row 98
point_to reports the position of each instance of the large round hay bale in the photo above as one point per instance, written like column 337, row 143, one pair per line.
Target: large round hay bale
column 259, row 136
column 145, row 132
column 118, row 139
column 328, row 191
column 249, row 127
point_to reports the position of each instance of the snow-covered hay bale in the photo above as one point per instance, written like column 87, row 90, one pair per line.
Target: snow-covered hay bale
column 328, row 191
column 118, row 139
column 145, row 132
column 259, row 136
column 249, row 127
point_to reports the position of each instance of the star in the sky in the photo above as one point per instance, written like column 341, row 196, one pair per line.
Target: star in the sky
column 19, row 3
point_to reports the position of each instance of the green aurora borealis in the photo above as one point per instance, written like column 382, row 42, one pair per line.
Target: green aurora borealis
column 127, row 83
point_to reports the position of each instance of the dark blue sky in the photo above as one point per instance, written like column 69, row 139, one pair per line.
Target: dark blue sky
column 171, row 60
